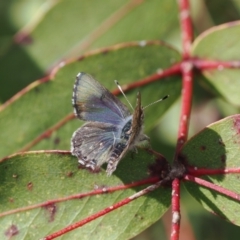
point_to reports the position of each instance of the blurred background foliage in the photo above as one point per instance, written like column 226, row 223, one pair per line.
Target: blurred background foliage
column 35, row 35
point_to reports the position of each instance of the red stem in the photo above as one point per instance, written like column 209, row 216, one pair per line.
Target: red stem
column 187, row 87
column 175, row 209
column 203, row 64
column 212, row 186
column 186, row 27
column 173, row 70
column 205, row 171
column 104, row 211
column 81, row 195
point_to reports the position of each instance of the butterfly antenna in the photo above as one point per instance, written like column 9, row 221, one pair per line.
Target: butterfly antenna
column 159, row 100
column 119, row 87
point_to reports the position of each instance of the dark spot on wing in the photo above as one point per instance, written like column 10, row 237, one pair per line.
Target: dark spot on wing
column 103, row 96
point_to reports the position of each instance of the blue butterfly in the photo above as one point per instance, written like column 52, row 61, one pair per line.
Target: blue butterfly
column 110, row 130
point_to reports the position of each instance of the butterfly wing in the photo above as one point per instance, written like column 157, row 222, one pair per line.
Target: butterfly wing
column 93, row 102
column 131, row 135
column 93, row 143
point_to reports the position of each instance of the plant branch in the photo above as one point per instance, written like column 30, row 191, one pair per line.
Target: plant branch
column 187, row 88
column 104, row 211
column 173, row 70
column 205, row 171
column 212, row 186
column 186, row 27
column 203, row 64
column 103, row 190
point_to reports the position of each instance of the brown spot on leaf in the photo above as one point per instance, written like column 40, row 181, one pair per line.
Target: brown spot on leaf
column 220, row 141
column 223, row 158
column 236, row 123
column 81, row 58
column 30, row 186
column 51, row 210
column 69, row 174
column 56, row 140
column 23, row 39
column 203, row 148
column 11, row 200
column 11, row 231
column 36, row 89
column 139, row 217
column 105, row 51
column 160, row 167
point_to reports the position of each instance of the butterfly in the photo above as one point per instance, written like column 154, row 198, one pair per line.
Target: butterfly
column 111, row 130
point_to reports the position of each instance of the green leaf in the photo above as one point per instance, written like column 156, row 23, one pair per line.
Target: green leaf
column 62, row 29
column 231, row 11
column 221, row 43
column 46, row 104
column 35, row 177
column 216, row 147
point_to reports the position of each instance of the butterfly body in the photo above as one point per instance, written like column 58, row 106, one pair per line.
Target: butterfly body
column 110, row 130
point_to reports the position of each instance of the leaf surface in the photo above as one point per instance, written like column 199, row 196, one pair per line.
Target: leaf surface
column 216, row 147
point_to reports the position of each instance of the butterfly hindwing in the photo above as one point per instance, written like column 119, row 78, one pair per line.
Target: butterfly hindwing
column 93, row 143
column 93, row 102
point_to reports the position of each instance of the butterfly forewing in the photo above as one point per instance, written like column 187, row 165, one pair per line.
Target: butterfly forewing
column 93, row 102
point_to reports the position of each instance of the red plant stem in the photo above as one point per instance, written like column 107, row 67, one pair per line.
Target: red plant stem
column 182, row 137
column 175, row 209
column 187, row 87
column 186, row 27
column 212, row 186
column 205, row 171
column 103, row 190
column 187, row 74
column 203, row 64
column 173, row 70
column 104, row 211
